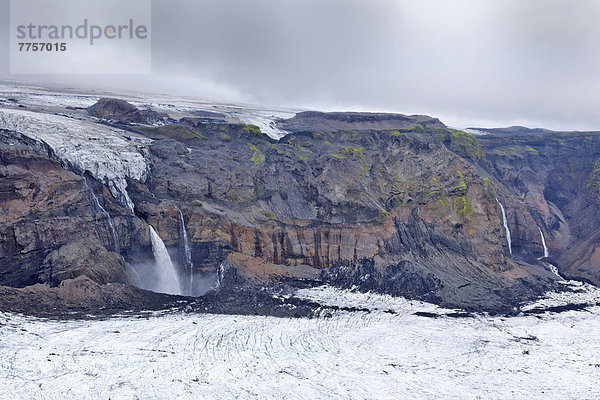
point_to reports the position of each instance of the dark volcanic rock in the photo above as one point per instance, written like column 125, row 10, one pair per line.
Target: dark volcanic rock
column 550, row 178
column 240, row 269
column 314, row 121
column 80, row 297
column 380, row 202
column 85, row 258
column 397, row 203
column 123, row 112
column 43, row 208
column 51, row 228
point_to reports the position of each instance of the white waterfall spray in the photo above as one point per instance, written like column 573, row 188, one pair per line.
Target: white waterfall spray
column 546, row 252
column 223, row 268
column 167, row 280
column 138, row 282
column 187, row 252
column 110, row 220
column 505, row 222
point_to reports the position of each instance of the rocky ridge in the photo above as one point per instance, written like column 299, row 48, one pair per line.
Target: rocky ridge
column 388, row 203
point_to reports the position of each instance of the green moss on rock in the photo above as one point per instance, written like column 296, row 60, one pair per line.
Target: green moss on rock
column 253, row 130
column 258, row 158
column 464, row 143
column 463, row 207
column 593, row 183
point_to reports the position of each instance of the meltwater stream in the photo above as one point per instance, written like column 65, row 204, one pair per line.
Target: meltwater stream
column 505, row 222
column 187, row 253
column 167, row 280
column 110, row 221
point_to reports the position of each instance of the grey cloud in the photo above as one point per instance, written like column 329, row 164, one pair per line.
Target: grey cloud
column 488, row 62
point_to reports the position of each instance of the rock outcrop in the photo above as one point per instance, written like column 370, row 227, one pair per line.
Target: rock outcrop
column 121, row 111
column 51, row 229
column 314, row 121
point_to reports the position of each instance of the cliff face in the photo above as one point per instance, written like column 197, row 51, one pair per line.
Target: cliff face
column 552, row 174
column 387, row 210
column 389, row 203
column 51, row 229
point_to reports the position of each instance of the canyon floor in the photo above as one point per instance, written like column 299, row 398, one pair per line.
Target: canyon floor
column 391, row 348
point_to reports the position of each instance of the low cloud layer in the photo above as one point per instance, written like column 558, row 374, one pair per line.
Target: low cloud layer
column 485, row 63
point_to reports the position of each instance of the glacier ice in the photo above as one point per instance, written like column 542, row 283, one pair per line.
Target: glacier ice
column 100, row 150
column 387, row 353
column 263, row 117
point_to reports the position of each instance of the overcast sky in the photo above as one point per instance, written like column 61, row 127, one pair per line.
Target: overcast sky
column 470, row 63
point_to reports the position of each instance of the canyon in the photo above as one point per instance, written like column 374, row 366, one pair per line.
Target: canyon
column 97, row 194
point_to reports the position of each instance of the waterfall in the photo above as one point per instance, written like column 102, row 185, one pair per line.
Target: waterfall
column 546, row 252
column 505, row 227
column 221, row 273
column 167, row 280
column 110, row 220
column 187, row 252
column 555, row 271
column 138, row 277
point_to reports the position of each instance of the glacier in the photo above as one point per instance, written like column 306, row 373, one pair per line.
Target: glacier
column 53, row 100
column 110, row 155
column 384, row 351
column 104, row 152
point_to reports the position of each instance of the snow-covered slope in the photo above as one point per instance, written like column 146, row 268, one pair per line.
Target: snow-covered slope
column 38, row 96
column 350, row 355
column 176, row 107
column 263, row 117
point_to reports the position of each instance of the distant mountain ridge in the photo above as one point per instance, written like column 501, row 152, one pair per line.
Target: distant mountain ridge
column 513, row 129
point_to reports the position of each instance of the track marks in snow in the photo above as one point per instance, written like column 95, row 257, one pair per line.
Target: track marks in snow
column 349, row 355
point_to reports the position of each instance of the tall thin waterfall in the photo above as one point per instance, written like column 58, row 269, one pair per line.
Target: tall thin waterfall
column 505, row 222
column 167, row 280
column 110, row 221
column 546, row 252
column 187, row 252
column 138, row 283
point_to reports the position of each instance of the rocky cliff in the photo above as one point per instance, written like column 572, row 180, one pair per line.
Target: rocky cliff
column 386, row 210
column 389, row 203
column 553, row 176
